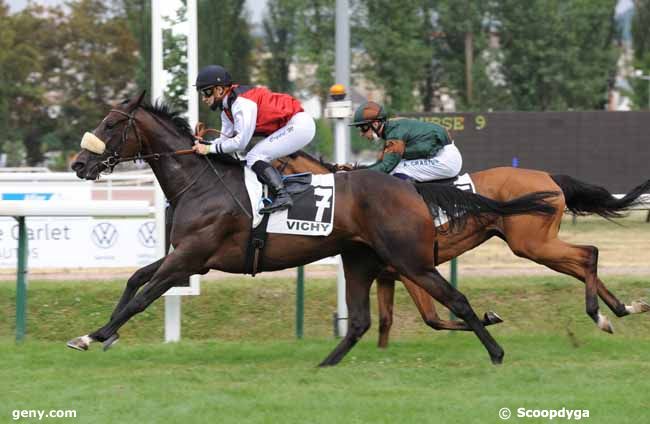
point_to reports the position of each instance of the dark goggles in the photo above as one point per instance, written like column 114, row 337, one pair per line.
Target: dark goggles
column 363, row 127
column 207, row 92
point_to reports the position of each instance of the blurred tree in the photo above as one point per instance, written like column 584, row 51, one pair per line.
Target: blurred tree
column 280, row 33
column 224, row 39
column 29, row 64
column 557, row 55
column 393, row 40
column 175, row 61
column 99, row 63
column 323, row 142
column 138, row 17
column 464, row 60
column 641, row 46
column 315, row 47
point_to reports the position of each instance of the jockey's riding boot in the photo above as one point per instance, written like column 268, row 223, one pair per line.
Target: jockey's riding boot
column 272, row 178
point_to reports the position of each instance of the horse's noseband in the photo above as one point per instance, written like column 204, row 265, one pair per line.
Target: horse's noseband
column 114, row 158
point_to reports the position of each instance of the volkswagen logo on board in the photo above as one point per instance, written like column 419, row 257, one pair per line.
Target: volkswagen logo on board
column 104, row 235
column 147, row 234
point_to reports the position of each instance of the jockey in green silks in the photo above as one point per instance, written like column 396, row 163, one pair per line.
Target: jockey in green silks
column 413, row 150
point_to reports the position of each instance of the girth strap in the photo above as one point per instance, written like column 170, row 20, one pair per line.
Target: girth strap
column 256, row 246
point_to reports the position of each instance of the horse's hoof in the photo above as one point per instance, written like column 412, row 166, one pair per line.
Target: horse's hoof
column 80, row 343
column 492, row 317
column 110, row 341
column 638, row 307
column 604, row 324
column 497, row 360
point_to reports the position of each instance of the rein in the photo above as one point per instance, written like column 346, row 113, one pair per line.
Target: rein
column 115, row 159
column 284, row 163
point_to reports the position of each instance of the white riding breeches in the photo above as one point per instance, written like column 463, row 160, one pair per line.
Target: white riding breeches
column 446, row 164
column 298, row 132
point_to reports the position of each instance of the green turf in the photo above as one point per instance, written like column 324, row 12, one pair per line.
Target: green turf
column 444, row 379
column 239, row 363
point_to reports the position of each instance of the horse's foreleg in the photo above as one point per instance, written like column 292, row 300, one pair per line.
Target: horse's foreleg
column 175, row 267
column 361, row 267
column 385, row 303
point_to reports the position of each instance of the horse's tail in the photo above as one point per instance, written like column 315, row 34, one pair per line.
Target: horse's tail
column 584, row 199
column 460, row 205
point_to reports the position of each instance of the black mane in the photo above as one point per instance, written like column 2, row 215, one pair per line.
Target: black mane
column 164, row 111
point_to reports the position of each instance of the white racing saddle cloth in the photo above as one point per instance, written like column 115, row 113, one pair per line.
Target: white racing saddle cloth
column 312, row 213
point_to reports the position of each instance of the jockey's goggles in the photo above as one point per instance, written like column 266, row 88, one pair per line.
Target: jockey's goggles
column 207, row 92
column 363, row 127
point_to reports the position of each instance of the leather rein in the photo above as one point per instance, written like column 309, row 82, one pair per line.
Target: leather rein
column 114, row 158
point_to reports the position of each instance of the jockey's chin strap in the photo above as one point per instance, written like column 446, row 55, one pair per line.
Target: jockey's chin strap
column 377, row 131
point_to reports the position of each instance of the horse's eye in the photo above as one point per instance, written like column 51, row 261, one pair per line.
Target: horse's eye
column 110, row 125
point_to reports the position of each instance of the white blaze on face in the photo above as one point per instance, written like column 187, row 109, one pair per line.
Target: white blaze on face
column 92, row 143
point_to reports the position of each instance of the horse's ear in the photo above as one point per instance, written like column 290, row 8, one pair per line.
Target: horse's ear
column 139, row 100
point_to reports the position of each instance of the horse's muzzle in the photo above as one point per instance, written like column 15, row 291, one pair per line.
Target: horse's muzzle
column 82, row 166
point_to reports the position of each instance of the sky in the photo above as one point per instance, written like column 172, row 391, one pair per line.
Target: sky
column 255, row 7
column 623, row 6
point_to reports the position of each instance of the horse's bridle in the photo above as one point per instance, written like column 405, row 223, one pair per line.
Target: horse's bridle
column 114, row 158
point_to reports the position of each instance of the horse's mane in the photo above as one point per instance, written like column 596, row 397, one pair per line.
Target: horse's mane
column 301, row 153
column 165, row 111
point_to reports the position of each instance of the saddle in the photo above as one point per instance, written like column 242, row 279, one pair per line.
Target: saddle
column 445, row 181
column 297, row 183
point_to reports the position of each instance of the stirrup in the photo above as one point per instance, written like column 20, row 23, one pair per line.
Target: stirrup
column 274, row 207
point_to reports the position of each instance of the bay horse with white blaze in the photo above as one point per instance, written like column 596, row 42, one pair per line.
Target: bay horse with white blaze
column 212, row 223
column 529, row 236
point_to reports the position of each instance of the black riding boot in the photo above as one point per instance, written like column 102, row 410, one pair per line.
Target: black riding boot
column 272, row 178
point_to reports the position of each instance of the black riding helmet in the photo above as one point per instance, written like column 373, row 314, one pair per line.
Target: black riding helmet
column 212, row 75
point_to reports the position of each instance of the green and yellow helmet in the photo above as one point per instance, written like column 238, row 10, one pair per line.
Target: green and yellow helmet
column 368, row 112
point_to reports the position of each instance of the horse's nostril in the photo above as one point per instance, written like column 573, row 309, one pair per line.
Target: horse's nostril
column 77, row 166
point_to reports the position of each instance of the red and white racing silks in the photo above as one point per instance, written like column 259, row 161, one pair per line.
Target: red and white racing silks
column 259, row 111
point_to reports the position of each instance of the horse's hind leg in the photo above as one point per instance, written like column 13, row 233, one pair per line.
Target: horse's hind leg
column 440, row 289
column 580, row 262
column 618, row 307
column 427, row 309
column 385, row 302
column 361, row 266
column 424, row 303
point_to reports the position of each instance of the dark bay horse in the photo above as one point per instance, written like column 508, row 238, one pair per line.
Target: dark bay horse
column 530, row 236
column 212, row 223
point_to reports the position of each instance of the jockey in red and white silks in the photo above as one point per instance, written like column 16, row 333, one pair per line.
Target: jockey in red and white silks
column 248, row 111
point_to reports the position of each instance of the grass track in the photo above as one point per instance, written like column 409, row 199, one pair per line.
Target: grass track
column 251, row 370
column 446, row 379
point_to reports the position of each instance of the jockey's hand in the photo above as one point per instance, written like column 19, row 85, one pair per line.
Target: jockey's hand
column 344, row 167
column 200, row 148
